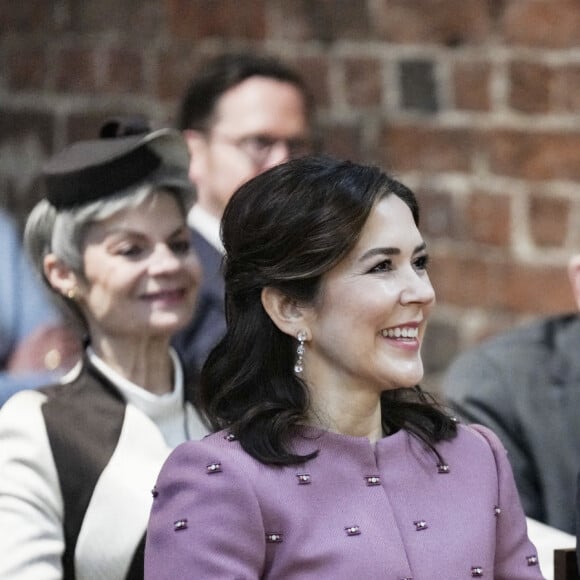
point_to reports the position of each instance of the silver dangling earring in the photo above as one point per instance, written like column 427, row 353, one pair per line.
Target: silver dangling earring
column 299, row 366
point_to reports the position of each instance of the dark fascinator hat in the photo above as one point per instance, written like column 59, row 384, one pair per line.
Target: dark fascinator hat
column 126, row 153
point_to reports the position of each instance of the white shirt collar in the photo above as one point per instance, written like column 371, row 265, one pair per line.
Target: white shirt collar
column 207, row 225
column 176, row 420
column 150, row 403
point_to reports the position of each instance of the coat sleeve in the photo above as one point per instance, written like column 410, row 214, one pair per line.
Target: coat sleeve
column 30, row 502
column 480, row 390
column 515, row 555
column 206, row 522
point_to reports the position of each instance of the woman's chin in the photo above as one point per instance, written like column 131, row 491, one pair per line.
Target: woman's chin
column 412, row 378
column 168, row 323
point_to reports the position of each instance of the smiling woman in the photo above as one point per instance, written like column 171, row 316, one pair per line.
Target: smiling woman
column 331, row 462
column 366, row 328
column 139, row 278
column 79, row 459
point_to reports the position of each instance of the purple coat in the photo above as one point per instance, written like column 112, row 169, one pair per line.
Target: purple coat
column 359, row 510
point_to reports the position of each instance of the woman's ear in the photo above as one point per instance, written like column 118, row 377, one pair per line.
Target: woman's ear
column 285, row 313
column 59, row 276
column 574, row 276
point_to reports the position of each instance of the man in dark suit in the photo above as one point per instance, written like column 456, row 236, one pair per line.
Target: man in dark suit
column 525, row 385
column 241, row 115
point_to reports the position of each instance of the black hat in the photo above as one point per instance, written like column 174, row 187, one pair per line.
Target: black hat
column 126, row 153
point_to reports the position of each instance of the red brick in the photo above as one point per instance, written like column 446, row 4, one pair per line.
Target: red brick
column 566, row 89
column 448, row 22
column 138, row 21
column 539, row 290
column 314, row 71
column 363, row 82
column 465, row 280
column 488, row 219
column 411, row 147
column 538, row 155
column 125, row 73
column 26, row 17
column 529, row 87
column 175, row 69
column 471, row 83
column 76, row 70
column 542, row 23
column 322, row 20
column 215, row 18
column 26, row 68
column 460, row 279
column 343, row 141
column 548, row 220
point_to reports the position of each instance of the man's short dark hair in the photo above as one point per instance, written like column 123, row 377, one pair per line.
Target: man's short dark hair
column 225, row 72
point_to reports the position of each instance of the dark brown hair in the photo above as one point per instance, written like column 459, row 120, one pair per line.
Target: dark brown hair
column 285, row 229
column 225, row 72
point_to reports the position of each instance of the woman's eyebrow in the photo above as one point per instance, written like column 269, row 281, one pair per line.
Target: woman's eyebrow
column 389, row 251
column 379, row 252
column 129, row 231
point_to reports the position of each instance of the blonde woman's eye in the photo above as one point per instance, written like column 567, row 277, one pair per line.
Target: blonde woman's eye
column 180, row 247
column 131, row 251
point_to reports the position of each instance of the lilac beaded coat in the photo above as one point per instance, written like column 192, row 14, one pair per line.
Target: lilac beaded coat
column 388, row 510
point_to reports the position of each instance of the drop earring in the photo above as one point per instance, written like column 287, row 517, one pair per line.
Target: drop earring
column 299, row 365
column 72, row 293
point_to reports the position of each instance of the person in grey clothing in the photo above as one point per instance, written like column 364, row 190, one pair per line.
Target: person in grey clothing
column 525, row 385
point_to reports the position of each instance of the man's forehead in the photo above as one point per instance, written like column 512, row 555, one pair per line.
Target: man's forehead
column 262, row 105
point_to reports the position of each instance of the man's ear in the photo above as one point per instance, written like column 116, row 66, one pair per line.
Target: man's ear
column 60, row 276
column 574, row 276
column 285, row 313
column 196, row 143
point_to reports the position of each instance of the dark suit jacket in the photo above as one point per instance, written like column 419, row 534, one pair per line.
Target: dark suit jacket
column 208, row 324
column 525, row 385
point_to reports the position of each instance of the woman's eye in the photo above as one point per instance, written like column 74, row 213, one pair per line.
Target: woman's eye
column 180, row 247
column 384, row 266
column 131, row 251
column 421, row 262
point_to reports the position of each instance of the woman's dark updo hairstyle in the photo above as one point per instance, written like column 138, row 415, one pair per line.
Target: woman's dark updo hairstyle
column 285, row 229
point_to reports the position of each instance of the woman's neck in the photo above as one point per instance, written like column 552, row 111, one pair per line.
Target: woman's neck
column 145, row 362
column 357, row 414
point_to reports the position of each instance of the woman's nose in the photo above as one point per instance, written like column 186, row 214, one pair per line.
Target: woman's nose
column 418, row 289
column 164, row 260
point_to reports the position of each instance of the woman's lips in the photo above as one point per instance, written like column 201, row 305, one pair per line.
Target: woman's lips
column 166, row 296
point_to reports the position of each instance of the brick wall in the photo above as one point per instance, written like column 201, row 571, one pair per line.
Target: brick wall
column 473, row 103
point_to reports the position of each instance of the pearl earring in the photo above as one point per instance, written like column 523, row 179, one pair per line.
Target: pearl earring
column 299, row 366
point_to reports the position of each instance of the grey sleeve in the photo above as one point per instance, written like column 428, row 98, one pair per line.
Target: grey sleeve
column 480, row 386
